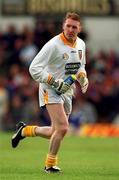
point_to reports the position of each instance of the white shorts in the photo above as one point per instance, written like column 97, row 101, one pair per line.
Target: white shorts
column 47, row 95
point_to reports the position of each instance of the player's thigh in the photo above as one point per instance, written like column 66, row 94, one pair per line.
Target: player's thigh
column 57, row 114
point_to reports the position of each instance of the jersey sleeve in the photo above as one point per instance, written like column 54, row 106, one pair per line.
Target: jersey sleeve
column 37, row 67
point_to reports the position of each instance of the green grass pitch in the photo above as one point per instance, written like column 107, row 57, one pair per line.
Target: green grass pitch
column 80, row 159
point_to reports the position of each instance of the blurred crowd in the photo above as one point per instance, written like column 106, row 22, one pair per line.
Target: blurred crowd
column 19, row 92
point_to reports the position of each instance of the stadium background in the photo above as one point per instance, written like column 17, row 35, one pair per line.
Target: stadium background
column 25, row 26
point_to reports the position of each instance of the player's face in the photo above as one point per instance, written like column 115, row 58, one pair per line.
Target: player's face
column 71, row 29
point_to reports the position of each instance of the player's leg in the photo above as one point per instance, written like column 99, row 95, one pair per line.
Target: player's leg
column 30, row 131
column 60, row 122
column 45, row 131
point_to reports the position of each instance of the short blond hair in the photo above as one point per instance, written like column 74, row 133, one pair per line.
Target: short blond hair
column 72, row 15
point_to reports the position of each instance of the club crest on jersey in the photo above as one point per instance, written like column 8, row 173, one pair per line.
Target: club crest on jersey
column 80, row 54
column 65, row 56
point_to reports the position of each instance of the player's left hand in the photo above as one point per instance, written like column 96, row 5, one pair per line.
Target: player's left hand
column 84, row 83
column 60, row 86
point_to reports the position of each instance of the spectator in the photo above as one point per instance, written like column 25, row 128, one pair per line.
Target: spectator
column 29, row 50
column 3, row 100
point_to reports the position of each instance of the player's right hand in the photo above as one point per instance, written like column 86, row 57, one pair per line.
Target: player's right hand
column 59, row 85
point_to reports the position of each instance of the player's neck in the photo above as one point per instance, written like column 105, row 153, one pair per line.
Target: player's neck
column 66, row 41
column 72, row 41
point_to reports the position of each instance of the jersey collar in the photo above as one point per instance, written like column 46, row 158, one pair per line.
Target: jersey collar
column 65, row 41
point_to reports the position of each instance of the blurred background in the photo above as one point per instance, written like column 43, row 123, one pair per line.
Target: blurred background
column 25, row 26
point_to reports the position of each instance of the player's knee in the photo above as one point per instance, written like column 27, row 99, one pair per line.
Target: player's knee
column 63, row 130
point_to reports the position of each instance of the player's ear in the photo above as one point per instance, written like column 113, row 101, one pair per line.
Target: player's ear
column 80, row 28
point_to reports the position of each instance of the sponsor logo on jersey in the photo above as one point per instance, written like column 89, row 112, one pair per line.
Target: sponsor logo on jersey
column 73, row 51
column 65, row 56
column 72, row 68
column 80, row 54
